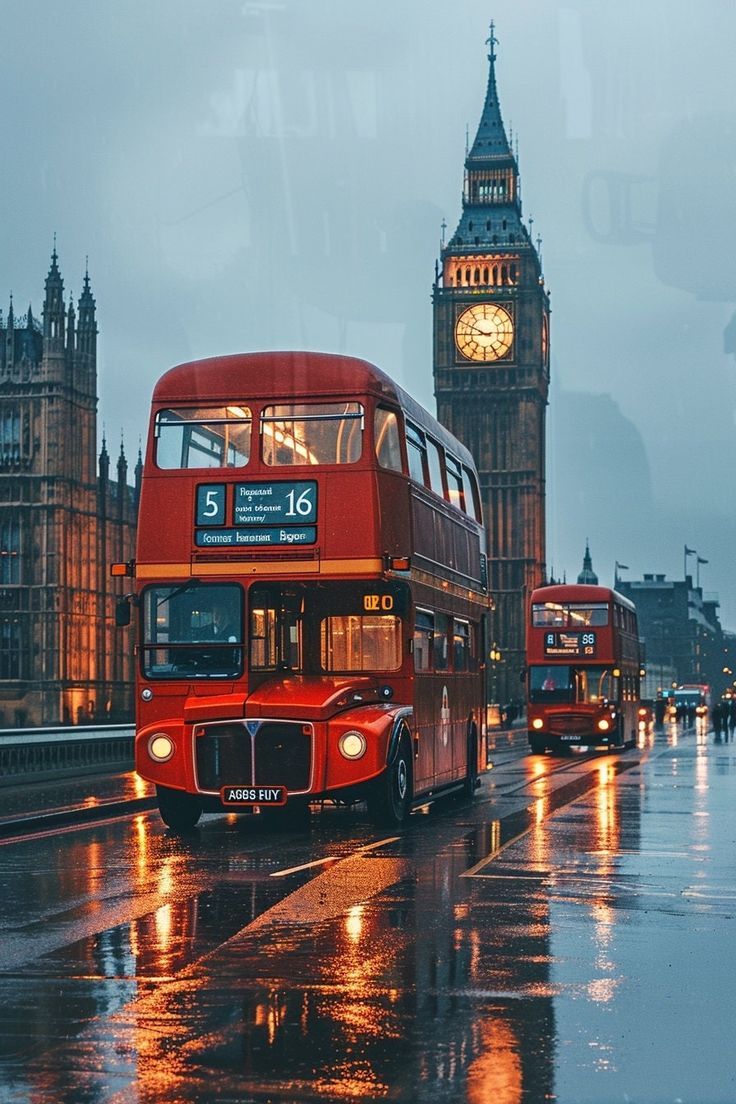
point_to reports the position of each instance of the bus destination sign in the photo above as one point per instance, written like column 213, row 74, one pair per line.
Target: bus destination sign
column 569, row 644
column 255, row 538
column 263, row 515
column 275, row 503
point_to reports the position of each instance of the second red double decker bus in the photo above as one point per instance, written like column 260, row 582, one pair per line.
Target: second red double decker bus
column 583, row 668
column 310, row 578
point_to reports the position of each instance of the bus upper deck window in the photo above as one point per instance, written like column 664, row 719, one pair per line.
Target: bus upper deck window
column 434, row 463
column 472, row 495
column 454, row 481
column 387, row 443
column 294, row 434
column 203, row 437
column 416, row 450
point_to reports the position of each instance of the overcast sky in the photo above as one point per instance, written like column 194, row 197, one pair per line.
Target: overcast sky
column 251, row 174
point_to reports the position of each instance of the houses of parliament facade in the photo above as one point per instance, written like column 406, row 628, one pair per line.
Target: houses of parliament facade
column 63, row 520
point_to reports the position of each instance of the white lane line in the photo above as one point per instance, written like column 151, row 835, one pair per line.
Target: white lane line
column 378, row 843
column 304, row 866
column 333, row 858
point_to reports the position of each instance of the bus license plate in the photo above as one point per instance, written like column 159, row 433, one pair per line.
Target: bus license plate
column 568, row 737
column 253, row 795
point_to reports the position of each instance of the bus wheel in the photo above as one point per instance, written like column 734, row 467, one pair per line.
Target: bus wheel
column 537, row 746
column 390, row 796
column 178, row 810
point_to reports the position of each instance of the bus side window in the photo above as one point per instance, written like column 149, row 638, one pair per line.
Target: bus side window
column 461, row 645
column 387, row 443
column 440, row 643
column 423, row 636
column 454, row 481
column 472, row 495
column 435, row 468
column 417, row 452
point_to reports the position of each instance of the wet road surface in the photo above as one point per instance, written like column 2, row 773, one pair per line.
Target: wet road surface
column 567, row 936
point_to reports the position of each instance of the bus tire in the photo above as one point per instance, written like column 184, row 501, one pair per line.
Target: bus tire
column 390, row 795
column 537, row 745
column 179, row 810
column 471, row 775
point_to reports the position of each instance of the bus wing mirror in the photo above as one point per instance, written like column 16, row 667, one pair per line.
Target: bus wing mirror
column 122, row 611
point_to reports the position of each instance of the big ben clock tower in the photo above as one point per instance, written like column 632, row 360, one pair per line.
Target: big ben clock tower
column 491, row 373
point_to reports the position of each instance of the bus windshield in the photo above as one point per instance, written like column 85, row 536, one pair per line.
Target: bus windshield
column 350, row 628
column 189, row 630
column 563, row 683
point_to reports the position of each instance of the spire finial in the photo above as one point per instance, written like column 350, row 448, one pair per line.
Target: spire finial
column 492, row 41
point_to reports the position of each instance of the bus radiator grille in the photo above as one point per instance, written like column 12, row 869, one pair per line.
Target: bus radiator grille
column 224, row 757
column 283, row 755
column 277, row 754
column 569, row 724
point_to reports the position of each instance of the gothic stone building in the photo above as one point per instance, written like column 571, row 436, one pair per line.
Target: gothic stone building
column 62, row 521
column 491, row 373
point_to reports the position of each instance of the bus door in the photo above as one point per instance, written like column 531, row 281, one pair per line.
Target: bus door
column 425, row 715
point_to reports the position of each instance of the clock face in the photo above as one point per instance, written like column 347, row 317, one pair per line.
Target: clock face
column 484, row 331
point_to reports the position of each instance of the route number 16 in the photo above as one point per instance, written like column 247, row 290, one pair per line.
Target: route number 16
column 301, row 506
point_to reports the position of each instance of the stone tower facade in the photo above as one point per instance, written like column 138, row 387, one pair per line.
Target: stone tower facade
column 62, row 521
column 491, row 372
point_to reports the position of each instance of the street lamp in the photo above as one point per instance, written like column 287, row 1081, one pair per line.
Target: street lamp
column 495, row 657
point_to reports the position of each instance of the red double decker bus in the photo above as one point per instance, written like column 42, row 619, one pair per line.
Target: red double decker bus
column 310, row 581
column 583, row 668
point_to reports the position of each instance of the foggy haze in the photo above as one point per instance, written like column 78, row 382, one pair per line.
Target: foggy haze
column 274, row 174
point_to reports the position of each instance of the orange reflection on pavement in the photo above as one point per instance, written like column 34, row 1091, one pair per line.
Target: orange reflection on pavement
column 495, row 1076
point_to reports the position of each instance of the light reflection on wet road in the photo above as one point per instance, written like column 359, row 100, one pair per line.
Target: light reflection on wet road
column 566, row 937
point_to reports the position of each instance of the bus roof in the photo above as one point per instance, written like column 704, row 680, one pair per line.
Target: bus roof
column 276, row 375
column 579, row 592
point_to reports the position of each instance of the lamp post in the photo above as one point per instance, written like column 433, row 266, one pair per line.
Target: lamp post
column 495, row 657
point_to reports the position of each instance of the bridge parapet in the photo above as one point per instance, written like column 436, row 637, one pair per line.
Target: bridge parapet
column 38, row 754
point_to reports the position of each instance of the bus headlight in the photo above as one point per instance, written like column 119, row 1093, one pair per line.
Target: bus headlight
column 604, row 724
column 352, row 744
column 160, row 747
column 537, row 723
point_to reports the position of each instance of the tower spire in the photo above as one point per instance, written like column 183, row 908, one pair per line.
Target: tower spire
column 588, row 575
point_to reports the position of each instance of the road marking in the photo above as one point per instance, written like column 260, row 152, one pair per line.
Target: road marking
column 304, row 866
column 333, row 858
column 378, row 843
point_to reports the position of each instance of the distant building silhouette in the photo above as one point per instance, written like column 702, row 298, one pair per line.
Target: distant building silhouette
column 588, row 575
column 681, row 630
column 62, row 521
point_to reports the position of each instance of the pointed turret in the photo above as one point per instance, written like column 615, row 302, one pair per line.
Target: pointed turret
column 138, row 478
column 122, row 487
column 104, row 463
column 71, row 325
column 588, row 575
column 87, row 329
column 10, row 337
column 53, row 307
